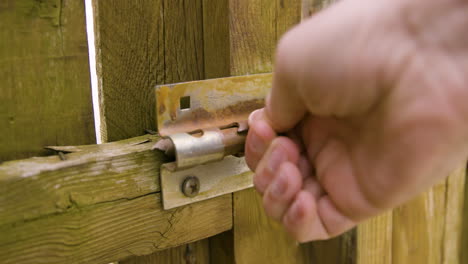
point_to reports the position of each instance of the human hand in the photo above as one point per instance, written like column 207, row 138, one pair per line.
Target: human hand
column 371, row 96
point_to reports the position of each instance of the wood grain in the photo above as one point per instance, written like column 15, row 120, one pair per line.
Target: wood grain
column 255, row 27
column 464, row 241
column 253, row 37
column 216, row 39
column 152, row 42
column 130, row 45
column 374, row 240
column 453, row 226
column 197, row 252
column 428, row 227
column 44, row 77
column 101, row 204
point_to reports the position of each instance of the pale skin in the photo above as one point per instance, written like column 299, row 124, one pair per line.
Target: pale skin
column 371, row 100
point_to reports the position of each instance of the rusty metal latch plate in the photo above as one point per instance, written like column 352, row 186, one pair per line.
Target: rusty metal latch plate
column 203, row 125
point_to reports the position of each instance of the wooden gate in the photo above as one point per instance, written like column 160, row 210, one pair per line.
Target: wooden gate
column 102, row 203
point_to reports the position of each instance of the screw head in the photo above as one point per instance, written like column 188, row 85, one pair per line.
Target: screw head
column 190, row 186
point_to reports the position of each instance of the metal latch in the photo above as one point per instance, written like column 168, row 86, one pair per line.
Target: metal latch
column 203, row 125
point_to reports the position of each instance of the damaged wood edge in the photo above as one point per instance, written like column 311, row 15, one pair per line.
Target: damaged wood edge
column 88, row 175
column 39, row 186
column 101, row 204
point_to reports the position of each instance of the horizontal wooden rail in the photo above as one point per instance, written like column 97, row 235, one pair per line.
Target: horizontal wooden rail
column 98, row 203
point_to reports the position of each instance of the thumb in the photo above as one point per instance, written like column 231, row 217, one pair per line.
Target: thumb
column 284, row 107
column 328, row 67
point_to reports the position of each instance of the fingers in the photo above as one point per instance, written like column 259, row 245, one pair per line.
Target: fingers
column 336, row 175
column 259, row 138
column 310, row 219
column 282, row 190
column 281, row 150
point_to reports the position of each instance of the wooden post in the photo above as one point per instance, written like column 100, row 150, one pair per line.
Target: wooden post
column 143, row 44
column 44, row 77
column 464, row 242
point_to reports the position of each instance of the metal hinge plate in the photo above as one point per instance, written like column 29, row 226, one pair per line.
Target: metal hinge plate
column 203, row 125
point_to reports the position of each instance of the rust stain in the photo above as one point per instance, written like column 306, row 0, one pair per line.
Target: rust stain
column 212, row 97
column 202, row 119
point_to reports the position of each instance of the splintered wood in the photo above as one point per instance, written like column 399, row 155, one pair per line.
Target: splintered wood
column 101, row 204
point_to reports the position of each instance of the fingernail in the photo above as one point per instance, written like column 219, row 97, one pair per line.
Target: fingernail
column 279, row 185
column 296, row 212
column 276, row 157
column 254, row 116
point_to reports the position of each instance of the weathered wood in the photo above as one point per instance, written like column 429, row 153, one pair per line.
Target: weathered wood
column 44, row 77
column 130, row 45
column 143, row 44
column 197, row 252
column 35, row 187
column 183, row 40
column 216, row 38
column 99, row 205
column 253, row 37
column 259, row 239
column 221, row 248
column 255, row 28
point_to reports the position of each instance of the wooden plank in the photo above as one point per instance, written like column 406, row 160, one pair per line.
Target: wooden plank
column 183, row 40
column 221, row 248
column 253, row 36
column 197, row 252
column 152, row 42
column 453, row 227
column 36, row 187
column 255, row 28
column 257, row 238
column 44, row 77
column 217, row 56
column 427, row 229
column 418, row 228
column 216, row 38
column 340, row 249
column 130, row 45
column 99, row 205
column 374, row 240
column 464, row 242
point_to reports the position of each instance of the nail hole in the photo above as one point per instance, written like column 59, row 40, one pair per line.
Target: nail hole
column 184, row 102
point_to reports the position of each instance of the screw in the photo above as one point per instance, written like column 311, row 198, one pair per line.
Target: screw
column 191, row 186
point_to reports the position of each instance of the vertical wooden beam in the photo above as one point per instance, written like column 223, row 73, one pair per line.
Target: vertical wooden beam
column 130, row 45
column 464, row 241
column 45, row 89
column 428, row 228
column 453, row 223
column 142, row 44
column 374, row 240
column 253, row 37
column 255, row 28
